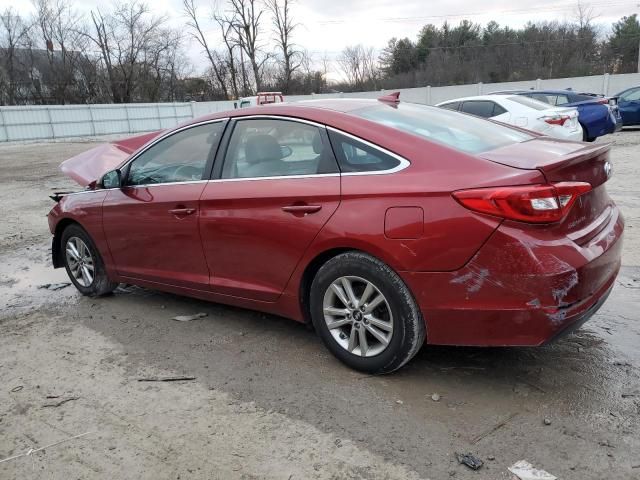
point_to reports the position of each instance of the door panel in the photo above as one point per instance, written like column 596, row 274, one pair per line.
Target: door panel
column 153, row 233
column 252, row 240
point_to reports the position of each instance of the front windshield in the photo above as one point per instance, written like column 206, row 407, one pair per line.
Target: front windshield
column 461, row 132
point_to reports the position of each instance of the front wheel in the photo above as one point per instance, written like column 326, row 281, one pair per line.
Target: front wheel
column 83, row 263
column 365, row 314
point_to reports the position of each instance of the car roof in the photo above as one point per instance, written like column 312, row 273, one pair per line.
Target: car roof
column 302, row 109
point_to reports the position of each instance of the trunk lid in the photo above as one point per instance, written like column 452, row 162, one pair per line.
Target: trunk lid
column 91, row 165
column 558, row 160
column 562, row 161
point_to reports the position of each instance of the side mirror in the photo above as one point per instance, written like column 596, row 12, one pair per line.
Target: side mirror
column 112, row 179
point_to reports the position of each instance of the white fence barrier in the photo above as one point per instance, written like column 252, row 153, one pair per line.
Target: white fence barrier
column 37, row 122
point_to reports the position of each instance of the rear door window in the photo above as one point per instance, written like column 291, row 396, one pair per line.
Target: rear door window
column 355, row 156
column 482, row 108
column 275, row 148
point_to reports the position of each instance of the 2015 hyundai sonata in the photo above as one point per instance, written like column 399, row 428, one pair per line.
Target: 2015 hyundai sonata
column 384, row 224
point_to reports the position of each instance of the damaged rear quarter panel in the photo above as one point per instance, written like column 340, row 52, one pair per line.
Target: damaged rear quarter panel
column 522, row 287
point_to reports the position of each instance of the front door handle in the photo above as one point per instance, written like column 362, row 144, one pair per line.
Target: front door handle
column 301, row 209
column 180, row 212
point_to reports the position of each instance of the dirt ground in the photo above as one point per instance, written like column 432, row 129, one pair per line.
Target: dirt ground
column 268, row 401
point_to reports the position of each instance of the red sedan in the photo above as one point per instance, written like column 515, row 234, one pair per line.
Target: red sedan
column 384, row 224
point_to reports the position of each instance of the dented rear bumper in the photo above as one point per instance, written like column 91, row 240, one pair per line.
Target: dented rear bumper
column 522, row 288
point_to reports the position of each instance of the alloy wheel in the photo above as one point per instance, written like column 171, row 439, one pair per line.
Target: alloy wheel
column 358, row 316
column 80, row 261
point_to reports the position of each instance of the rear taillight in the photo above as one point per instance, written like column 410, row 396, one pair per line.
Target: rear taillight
column 531, row 203
column 556, row 119
column 603, row 101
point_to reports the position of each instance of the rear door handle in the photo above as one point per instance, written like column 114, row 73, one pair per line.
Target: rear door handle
column 301, row 209
column 182, row 211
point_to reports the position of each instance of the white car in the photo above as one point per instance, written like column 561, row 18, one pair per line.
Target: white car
column 522, row 112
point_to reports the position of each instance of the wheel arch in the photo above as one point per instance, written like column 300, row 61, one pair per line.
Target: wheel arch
column 309, row 274
column 56, row 252
column 322, row 257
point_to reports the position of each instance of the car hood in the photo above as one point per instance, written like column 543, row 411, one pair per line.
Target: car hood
column 90, row 166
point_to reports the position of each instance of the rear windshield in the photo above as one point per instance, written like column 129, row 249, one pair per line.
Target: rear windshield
column 462, row 132
column 529, row 102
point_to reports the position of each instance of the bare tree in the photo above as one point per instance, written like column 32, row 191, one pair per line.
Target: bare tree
column 196, row 31
column 231, row 44
column 64, row 42
column 126, row 36
column 360, row 66
column 246, row 23
column 284, row 25
column 13, row 35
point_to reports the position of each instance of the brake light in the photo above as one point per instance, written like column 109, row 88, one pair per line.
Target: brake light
column 603, row 101
column 531, row 203
column 556, row 119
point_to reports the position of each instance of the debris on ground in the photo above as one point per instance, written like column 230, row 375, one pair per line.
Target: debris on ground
column 399, row 402
column 54, row 286
column 547, row 421
column 523, row 470
column 469, row 460
column 31, row 451
column 621, row 364
column 493, row 429
column 188, row 318
column 165, row 379
column 435, row 397
column 16, row 389
column 61, row 402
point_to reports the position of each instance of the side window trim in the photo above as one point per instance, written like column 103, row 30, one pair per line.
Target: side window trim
column 403, row 162
column 208, row 166
column 225, row 141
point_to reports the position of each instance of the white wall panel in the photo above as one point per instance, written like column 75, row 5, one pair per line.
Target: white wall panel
column 65, row 121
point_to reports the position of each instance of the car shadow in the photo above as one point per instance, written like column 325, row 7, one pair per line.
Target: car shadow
column 281, row 365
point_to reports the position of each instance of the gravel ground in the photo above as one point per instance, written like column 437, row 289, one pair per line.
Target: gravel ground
column 267, row 400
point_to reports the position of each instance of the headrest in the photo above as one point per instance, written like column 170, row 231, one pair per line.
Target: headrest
column 262, row 148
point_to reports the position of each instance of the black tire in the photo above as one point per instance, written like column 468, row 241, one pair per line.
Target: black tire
column 409, row 329
column 586, row 137
column 100, row 284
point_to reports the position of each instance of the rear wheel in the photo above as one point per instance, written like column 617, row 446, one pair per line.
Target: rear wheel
column 83, row 263
column 365, row 314
column 585, row 135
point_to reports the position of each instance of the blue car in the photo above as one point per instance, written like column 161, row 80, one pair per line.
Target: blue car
column 629, row 105
column 597, row 115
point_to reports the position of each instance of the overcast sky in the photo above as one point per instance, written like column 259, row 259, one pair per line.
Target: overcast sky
column 327, row 26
